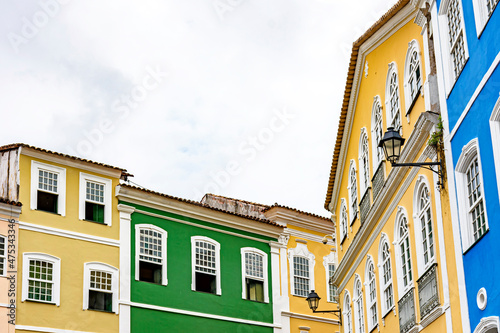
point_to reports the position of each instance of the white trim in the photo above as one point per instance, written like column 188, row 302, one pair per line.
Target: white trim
column 68, row 234
column 328, row 260
column 482, row 299
column 495, row 139
column 344, row 223
column 359, row 309
column 375, row 149
column 369, row 304
column 218, row 290
column 384, row 239
column 413, row 47
column 98, row 266
column 487, row 323
column 199, row 314
column 46, row 329
column 265, row 269
column 301, row 250
column 362, row 187
column 474, row 96
column 308, row 236
column 393, row 69
column 164, row 236
column 347, row 313
column 352, row 214
column 310, row 318
column 402, row 289
column 61, row 185
column 56, row 276
column 481, row 15
column 125, row 265
column 84, row 177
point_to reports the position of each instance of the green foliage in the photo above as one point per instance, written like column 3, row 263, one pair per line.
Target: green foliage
column 437, row 136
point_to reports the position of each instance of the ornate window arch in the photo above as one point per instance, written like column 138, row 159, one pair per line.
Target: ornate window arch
column 301, row 269
column 412, row 74
column 254, row 275
column 470, row 195
column 344, row 224
column 495, row 139
column 488, row 325
column 347, row 320
column 385, row 274
column 151, row 254
column 483, row 9
column 359, row 317
column 377, row 132
column 371, row 293
column 392, row 98
column 403, row 251
column 329, row 264
column 352, row 188
column 364, row 162
column 423, row 226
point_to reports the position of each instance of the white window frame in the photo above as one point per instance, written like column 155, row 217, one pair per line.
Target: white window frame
column 449, row 75
column 422, row 266
column 376, row 150
column 329, row 260
column 393, row 69
column 194, row 239
column 359, row 309
column 3, row 258
column 301, row 251
column 469, row 152
column 384, row 240
column 353, row 195
column 413, row 47
column 364, row 168
column 56, row 275
column 495, row 139
column 264, row 279
column 370, row 303
column 398, row 241
column 164, row 236
column 344, row 220
column 481, row 15
column 98, row 266
column 84, row 177
column 61, row 186
column 347, row 313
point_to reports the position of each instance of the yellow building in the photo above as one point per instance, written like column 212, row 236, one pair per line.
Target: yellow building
column 397, row 270
column 68, row 241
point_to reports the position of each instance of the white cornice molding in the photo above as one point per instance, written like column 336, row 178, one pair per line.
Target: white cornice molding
column 284, row 217
column 82, row 165
column 46, row 329
column 10, row 210
column 308, row 236
column 68, row 234
column 311, row 318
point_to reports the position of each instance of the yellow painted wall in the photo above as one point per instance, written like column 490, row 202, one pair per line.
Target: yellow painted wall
column 5, row 283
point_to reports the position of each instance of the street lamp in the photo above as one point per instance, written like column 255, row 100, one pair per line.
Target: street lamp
column 313, row 300
column 392, row 142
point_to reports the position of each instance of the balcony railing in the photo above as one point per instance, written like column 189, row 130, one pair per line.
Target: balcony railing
column 406, row 306
column 364, row 205
column 427, row 291
column 378, row 180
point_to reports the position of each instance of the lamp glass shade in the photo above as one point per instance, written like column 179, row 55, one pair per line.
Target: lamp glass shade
column 392, row 142
column 313, row 300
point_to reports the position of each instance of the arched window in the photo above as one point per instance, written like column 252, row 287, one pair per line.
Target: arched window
column 402, row 236
column 347, row 321
column 358, row 307
column 371, row 301
column 254, row 275
column 150, row 254
column 413, row 76
column 301, row 270
column 385, row 275
column 205, row 265
column 424, row 233
column 343, row 220
column 495, row 139
column 364, row 162
column 353, row 191
column 392, row 101
column 377, row 133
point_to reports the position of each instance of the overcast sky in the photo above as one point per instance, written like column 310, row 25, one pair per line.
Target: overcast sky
column 234, row 97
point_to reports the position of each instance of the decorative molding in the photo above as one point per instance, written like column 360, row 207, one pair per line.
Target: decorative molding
column 46, row 329
column 311, row 318
column 432, row 316
column 488, row 323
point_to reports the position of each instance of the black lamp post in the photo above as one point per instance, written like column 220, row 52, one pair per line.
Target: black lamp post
column 392, row 142
column 313, row 300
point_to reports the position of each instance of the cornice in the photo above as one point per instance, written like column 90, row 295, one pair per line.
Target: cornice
column 10, row 210
column 285, row 217
column 311, row 318
column 307, row 236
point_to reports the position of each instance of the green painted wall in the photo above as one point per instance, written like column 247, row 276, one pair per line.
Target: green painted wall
column 178, row 294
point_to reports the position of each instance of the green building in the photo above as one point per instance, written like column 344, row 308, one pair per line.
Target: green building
column 188, row 267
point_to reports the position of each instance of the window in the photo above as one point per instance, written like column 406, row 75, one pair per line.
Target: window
column 347, row 313
column 364, row 162
column 413, row 76
column 377, row 133
column 353, row 191
column 405, row 273
column 301, row 269
column 100, row 287
column 95, row 199
column 254, row 273
column 329, row 264
column 371, row 294
column 424, row 234
column 41, row 278
column 392, row 98
column 48, row 188
column 205, row 265
column 455, row 45
column 150, row 254
column 385, row 270
column 483, row 9
column 358, row 307
column 470, row 195
column 343, row 220
column 3, row 255
column 495, row 139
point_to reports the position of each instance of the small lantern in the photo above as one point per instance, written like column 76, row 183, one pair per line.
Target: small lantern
column 313, row 300
column 392, row 142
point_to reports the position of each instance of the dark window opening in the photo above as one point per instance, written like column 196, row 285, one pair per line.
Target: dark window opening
column 47, row 202
column 255, row 290
column 205, row 283
column 101, row 301
column 94, row 212
column 150, row 272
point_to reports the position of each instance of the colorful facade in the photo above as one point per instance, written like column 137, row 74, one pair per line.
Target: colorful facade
column 68, row 241
column 468, row 44
column 397, row 268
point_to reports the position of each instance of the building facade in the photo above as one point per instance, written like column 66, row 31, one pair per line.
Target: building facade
column 397, row 268
column 467, row 40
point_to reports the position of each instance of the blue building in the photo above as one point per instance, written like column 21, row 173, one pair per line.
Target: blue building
column 464, row 36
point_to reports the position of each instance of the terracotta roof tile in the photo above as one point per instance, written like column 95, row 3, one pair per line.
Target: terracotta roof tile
column 10, row 202
column 276, row 205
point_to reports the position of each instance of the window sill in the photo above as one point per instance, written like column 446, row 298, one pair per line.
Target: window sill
column 389, row 311
column 103, row 311
column 373, row 328
column 96, row 222
column 46, row 211
column 414, row 100
column 475, row 242
column 39, row 301
column 299, row 296
column 203, row 292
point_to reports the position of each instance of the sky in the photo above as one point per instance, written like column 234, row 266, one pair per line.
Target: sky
column 239, row 98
